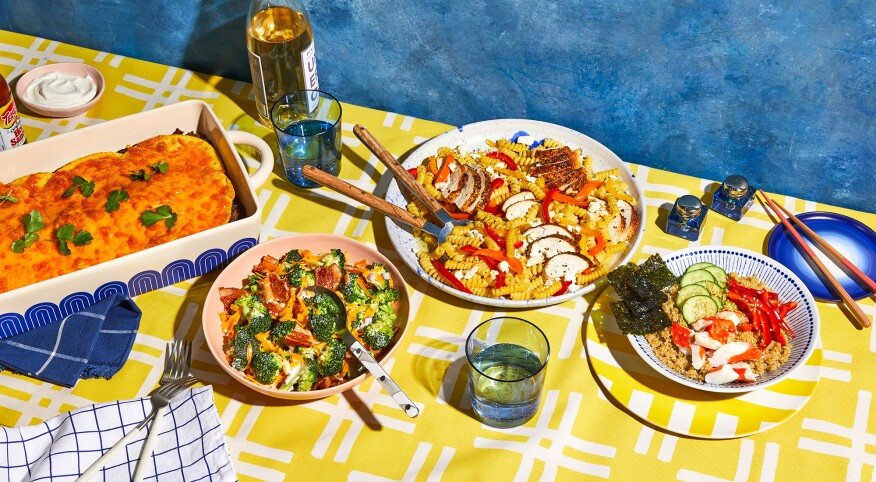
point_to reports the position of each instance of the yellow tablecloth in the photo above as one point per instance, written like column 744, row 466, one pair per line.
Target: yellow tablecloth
column 579, row 431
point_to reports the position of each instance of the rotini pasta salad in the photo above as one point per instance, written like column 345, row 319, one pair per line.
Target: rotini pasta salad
column 544, row 222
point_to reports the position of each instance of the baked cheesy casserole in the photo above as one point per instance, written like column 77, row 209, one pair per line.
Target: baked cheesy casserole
column 109, row 204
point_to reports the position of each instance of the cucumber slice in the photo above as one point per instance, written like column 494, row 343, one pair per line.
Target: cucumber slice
column 686, row 292
column 719, row 274
column 692, row 277
column 700, row 265
column 715, row 291
column 697, row 307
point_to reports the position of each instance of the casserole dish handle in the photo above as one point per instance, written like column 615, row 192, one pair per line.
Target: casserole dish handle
column 267, row 156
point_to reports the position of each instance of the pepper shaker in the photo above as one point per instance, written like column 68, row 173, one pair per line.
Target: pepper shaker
column 686, row 218
column 733, row 197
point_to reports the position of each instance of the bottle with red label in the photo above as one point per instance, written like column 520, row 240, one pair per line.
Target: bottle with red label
column 11, row 133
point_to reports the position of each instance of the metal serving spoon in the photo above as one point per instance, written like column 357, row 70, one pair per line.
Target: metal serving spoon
column 364, row 356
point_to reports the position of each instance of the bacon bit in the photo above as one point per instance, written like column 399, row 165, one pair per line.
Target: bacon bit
column 328, row 276
column 229, row 295
column 300, row 337
column 268, row 264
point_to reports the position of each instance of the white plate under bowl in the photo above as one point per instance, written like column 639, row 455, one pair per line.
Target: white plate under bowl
column 473, row 137
column 803, row 319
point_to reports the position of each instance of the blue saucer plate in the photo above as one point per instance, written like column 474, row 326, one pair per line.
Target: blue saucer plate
column 853, row 239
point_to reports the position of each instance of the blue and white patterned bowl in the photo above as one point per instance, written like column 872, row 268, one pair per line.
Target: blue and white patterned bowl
column 804, row 319
column 473, row 137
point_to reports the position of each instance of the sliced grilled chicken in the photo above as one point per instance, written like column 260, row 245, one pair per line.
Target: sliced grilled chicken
column 546, row 230
column 565, row 266
column 519, row 209
column 520, row 196
column 466, row 184
column 624, row 225
column 547, row 247
column 477, row 191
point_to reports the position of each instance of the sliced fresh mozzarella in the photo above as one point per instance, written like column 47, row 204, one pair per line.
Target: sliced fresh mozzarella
column 565, row 266
column 702, row 338
column 519, row 209
column 520, row 196
column 698, row 356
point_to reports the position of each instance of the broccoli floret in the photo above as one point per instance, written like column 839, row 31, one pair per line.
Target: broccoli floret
column 379, row 333
column 252, row 283
column 360, row 317
column 260, row 323
column 242, row 340
column 266, row 367
column 250, row 304
column 331, row 359
column 335, row 256
column 309, row 375
column 293, row 256
column 352, row 291
column 386, row 296
column 322, row 311
column 281, row 330
column 379, row 276
column 322, row 325
column 300, row 276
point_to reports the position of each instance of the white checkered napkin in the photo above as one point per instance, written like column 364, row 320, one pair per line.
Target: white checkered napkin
column 191, row 444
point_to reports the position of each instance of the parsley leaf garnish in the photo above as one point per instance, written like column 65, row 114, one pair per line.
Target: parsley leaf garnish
column 84, row 186
column 8, row 198
column 148, row 218
column 140, row 175
column 115, row 197
column 161, row 167
column 65, row 233
column 33, row 222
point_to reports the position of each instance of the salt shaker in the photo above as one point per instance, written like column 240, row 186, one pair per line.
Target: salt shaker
column 733, row 197
column 686, row 218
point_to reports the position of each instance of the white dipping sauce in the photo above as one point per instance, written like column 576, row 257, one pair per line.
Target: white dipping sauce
column 60, row 90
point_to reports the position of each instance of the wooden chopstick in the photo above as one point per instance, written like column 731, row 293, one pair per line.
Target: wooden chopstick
column 833, row 252
column 837, row 288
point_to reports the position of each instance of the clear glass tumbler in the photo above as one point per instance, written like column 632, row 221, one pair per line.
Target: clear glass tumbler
column 507, row 358
column 308, row 127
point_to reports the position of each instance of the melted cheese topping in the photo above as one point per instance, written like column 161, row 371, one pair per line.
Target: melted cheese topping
column 195, row 187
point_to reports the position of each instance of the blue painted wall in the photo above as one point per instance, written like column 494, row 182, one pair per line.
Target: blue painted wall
column 782, row 92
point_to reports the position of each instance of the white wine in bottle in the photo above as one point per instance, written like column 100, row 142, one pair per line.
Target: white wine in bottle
column 281, row 52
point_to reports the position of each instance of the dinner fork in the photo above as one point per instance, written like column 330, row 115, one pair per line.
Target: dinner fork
column 177, row 362
column 159, row 400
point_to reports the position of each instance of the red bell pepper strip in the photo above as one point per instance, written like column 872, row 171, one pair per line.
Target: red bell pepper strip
column 491, row 263
column 495, row 184
column 518, row 244
column 558, row 196
column 773, row 317
column 500, row 280
column 587, row 188
column 444, row 172
column 439, row 267
column 513, row 263
column 504, row 158
column 765, row 330
column 545, row 206
column 413, row 171
column 600, row 245
column 455, row 215
column 495, row 236
column 493, row 209
column 563, row 288
column 785, row 308
column 468, row 249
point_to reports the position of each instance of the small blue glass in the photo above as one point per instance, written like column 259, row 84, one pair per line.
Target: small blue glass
column 308, row 127
column 733, row 197
column 686, row 218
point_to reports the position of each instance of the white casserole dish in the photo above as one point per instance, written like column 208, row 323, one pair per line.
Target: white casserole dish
column 35, row 305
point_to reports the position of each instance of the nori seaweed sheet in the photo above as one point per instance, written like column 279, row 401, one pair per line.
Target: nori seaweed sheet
column 641, row 289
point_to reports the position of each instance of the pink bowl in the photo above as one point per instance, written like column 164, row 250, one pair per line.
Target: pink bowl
column 81, row 70
column 241, row 267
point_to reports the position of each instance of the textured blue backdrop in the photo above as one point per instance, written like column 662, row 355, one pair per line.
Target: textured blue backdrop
column 782, row 92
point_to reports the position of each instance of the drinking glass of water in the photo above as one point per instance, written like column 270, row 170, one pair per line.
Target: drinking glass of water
column 507, row 358
column 308, row 127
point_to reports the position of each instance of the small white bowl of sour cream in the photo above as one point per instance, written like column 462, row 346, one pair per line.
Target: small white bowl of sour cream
column 60, row 90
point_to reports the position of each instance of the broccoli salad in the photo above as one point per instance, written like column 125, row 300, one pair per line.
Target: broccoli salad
column 279, row 334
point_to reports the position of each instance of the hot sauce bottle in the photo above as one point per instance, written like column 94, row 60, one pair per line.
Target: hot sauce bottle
column 11, row 132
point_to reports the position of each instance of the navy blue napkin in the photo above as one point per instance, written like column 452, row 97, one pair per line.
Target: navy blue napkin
column 92, row 343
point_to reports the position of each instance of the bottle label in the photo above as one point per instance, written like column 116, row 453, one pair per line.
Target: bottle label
column 258, row 85
column 311, row 80
column 11, row 132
